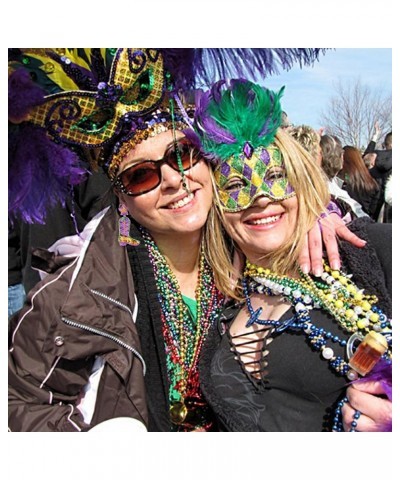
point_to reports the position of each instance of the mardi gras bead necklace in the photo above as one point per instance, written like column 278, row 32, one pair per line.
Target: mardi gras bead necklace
column 335, row 293
column 183, row 335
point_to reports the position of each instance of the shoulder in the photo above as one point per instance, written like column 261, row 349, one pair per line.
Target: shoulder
column 377, row 235
column 389, row 190
column 371, row 265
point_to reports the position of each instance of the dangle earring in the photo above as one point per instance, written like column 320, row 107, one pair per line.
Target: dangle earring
column 124, row 228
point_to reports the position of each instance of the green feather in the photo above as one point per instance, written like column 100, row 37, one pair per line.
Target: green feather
column 250, row 112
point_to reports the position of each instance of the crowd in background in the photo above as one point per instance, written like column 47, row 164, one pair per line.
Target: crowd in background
column 360, row 180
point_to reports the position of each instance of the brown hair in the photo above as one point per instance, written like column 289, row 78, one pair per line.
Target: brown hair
column 388, row 141
column 355, row 172
column 332, row 150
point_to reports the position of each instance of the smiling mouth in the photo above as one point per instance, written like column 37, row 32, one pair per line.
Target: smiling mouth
column 264, row 221
column 182, row 202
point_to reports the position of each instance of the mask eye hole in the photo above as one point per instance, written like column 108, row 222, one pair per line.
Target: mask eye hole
column 140, row 90
column 95, row 122
column 275, row 173
column 234, row 184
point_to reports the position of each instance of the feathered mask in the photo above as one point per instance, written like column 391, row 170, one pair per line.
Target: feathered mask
column 235, row 118
column 64, row 101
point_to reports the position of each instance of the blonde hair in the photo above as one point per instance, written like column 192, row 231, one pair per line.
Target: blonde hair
column 310, row 185
column 217, row 248
column 308, row 139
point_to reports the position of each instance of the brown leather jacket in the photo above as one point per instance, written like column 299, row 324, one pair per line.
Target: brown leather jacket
column 83, row 311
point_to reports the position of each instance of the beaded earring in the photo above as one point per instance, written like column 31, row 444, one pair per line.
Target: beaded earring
column 124, row 228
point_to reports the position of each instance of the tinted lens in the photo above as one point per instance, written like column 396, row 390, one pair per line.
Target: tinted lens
column 146, row 176
column 141, row 178
column 188, row 154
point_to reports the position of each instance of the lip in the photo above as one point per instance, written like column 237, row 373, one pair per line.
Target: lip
column 264, row 226
column 184, row 208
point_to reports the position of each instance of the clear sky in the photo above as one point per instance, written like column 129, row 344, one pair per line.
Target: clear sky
column 309, row 89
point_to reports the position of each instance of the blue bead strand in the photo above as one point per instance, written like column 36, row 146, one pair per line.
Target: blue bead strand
column 338, row 420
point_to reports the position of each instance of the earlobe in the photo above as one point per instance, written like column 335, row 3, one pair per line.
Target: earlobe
column 118, row 194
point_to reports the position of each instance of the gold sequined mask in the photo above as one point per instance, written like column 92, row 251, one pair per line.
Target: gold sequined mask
column 90, row 110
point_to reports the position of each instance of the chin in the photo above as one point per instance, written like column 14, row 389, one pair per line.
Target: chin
column 260, row 245
column 193, row 224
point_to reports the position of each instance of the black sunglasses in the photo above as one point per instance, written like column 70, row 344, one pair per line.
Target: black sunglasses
column 145, row 176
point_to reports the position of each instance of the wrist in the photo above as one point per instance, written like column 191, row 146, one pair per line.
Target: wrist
column 331, row 208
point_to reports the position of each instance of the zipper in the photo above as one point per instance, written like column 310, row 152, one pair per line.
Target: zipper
column 115, row 339
column 112, row 300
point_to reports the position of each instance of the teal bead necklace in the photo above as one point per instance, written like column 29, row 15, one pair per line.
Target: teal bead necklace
column 183, row 335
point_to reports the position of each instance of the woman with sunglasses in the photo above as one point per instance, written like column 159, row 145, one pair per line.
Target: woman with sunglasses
column 113, row 335
column 164, row 185
column 281, row 357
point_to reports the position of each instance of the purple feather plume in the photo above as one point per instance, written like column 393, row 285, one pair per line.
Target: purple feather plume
column 382, row 372
column 195, row 141
column 216, row 133
column 23, row 94
column 193, row 138
column 191, row 67
column 216, row 90
column 202, row 101
column 42, row 174
column 179, row 62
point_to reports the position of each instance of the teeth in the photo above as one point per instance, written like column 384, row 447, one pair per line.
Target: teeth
column 263, row 221
column 182, row 202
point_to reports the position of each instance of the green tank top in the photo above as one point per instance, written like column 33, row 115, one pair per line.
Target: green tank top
column 192, row 306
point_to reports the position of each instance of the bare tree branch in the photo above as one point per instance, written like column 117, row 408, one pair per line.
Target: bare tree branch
column 353, row 110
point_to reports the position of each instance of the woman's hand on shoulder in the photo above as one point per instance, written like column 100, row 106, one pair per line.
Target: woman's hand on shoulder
column 325, row 233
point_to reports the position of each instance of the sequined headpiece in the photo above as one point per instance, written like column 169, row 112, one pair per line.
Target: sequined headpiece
column 63, row 102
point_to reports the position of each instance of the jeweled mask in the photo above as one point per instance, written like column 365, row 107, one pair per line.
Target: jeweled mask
column 91, row 93
column 243, row 178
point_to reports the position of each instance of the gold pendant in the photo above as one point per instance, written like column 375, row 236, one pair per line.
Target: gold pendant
column 178, row 412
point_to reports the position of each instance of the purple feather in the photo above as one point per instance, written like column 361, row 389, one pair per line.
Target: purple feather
column 191, row 67
column 42, row 174
column 23, row 94
column 382, row 372
column 216, row 133
column 179, row 62
column 195, row 141
column 268, row 127
column 216, row 90
column 202, row 101
column 192, row 137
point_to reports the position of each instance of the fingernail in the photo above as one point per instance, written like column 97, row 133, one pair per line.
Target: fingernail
column 305, row 268
column 318, row 271
column 335, row 265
